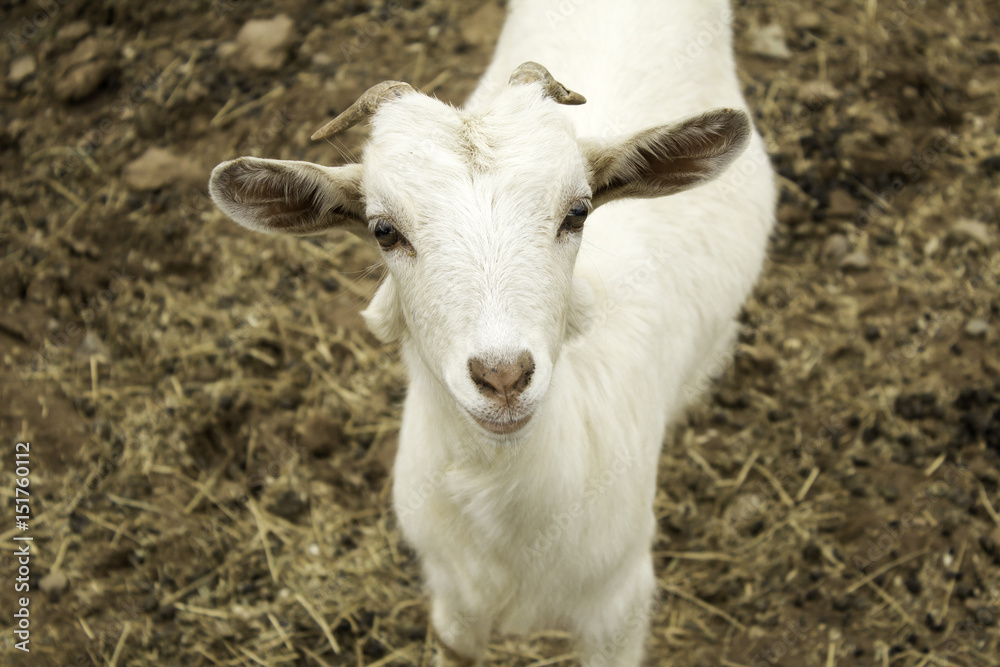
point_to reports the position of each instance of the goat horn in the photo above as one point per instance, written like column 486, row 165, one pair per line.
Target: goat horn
column 362, row 108
column 530, row 72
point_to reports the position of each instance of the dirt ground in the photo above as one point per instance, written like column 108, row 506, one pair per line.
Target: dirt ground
column 212, row 427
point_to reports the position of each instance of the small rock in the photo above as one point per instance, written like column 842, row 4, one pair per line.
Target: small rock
column 72, row 32
column 321, row 60
column 227, row 50
column 290, row 505
column 897, row 150
column 320, row 434
column 196, row 90
column 842, row 204
column 977, row 328
column 879, row 124
column 807, row 20
column 791, row 345
column 842, row 603
column 988, row 57
column 761, row 362
column 931, row 247
column 976, row 89
column 262, row 44
column 859, row 260
column 817, row 93
column 54, row 583
column 81, row 71
column 791, row 215
column 966, row 230
column 889, row 493
column 21, row 68
column 991, row 164
column 835, row 249
column 872, row 333
column 158, row 168
column 917, row 406
column 971, row 398
column 732, row 399
column 769, row 42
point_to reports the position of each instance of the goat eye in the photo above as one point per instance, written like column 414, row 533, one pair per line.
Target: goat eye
column 573, row 222
column 386, row 235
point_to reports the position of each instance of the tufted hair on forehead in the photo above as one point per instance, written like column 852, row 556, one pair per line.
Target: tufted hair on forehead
column 520, row 119
column 521, row 145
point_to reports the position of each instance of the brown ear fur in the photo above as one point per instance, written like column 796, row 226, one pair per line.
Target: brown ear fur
column 281, row 196
column 384, row 314
column 667, row 159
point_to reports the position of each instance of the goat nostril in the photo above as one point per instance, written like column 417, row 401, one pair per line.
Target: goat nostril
column 481, row 382
column 502, row 381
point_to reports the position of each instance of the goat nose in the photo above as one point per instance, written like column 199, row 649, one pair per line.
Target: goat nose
column 502, row 381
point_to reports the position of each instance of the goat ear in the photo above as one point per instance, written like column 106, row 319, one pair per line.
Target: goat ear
column 282, row 196
column 384, row 314
column 667, row 159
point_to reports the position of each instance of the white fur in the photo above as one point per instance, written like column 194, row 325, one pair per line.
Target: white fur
column 554, row 530
column 550, row 526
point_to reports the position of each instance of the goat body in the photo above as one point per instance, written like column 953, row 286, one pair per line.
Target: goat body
column 556, row 531
column 528, row 489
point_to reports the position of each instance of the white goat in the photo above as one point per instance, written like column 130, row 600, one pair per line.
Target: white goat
column 545, row 361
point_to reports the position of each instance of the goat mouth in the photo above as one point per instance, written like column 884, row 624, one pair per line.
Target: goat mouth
column 505, row 427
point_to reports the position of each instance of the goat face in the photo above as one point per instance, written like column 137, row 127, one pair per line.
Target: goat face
column 479, row 218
